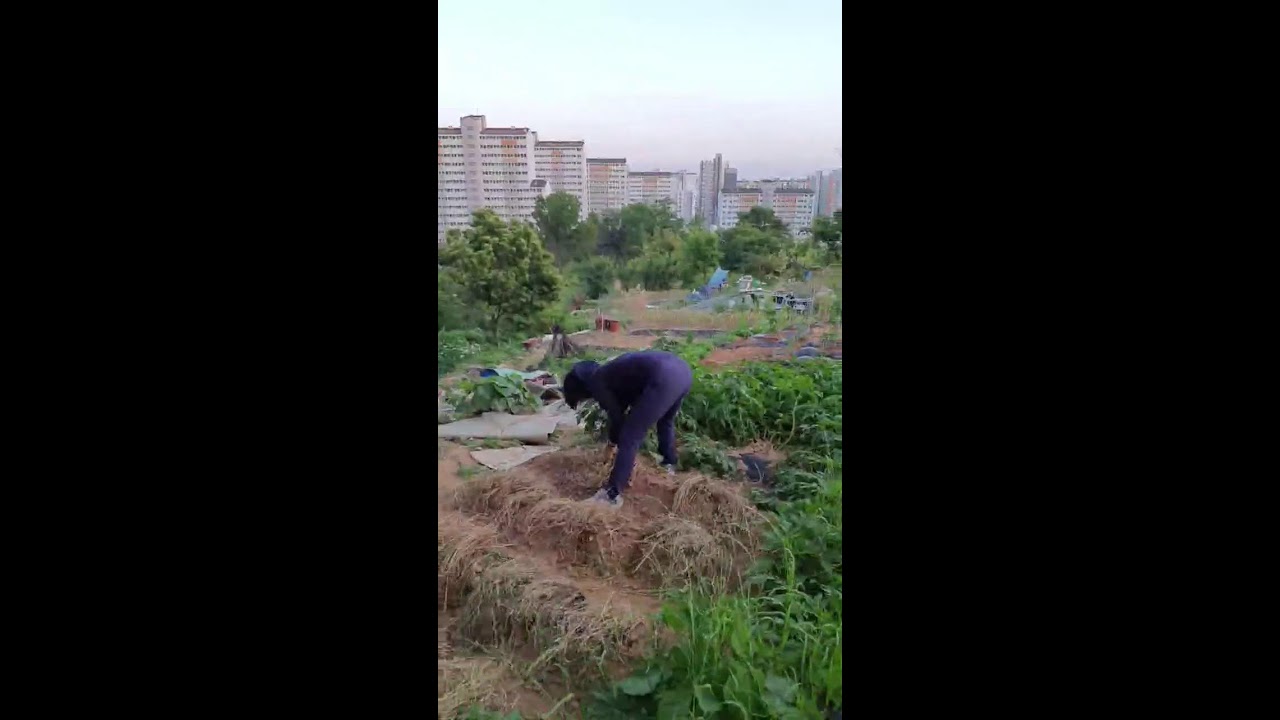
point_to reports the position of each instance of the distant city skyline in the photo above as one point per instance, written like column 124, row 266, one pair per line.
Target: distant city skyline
column 665, row 84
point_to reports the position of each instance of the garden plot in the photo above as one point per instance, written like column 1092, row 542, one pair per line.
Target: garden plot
column 527, row 570
column 544, row 600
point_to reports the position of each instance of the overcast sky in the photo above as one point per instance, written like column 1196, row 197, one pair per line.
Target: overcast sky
column 663, row 83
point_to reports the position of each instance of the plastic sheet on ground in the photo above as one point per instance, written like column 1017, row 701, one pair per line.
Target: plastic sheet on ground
column 531, row 429
column 486, row 372
column 507, row 458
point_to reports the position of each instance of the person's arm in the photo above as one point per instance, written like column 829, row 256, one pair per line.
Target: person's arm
column 608, row 402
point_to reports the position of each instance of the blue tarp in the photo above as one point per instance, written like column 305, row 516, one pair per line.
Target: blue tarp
column 718, row 278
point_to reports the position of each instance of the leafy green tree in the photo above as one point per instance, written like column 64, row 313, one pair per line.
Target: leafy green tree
column 665, row 242
column 699, row 257
column 504, row 270
column 639, row 222
column 751, row 250
column 612, row 238
column 453, row 312
column 557, row 219
column 651, row 271
column 762, row 218
column 597, row 276
column 586, row 239
column 828, row 232
column 658, row 267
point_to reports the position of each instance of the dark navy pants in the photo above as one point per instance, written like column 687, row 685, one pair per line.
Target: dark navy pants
column 657, row 405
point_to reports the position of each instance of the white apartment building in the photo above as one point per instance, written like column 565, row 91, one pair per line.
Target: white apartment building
column 482, row 167
column 606, row 184
column 733, row 202
column 563, row 164
column 794, row 207
column 656, row 186
column 686, row 189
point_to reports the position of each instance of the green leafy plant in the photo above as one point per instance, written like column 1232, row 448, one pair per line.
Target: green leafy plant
column 690, row 350
column 500, row 393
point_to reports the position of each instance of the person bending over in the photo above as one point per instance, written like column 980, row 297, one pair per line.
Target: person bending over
column 636, row 391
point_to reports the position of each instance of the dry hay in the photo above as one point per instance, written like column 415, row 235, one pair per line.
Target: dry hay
column 505, row 497
column 578, row 472
column 676, row 550
column 463, row 550
column 465, row 682
column 719, row 506
column 509, row 605
column 604, row 539
column 575, row 472
column 581, row 533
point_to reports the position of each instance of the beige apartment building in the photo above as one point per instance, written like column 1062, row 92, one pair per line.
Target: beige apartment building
column 606, row 184
column 793, row 206
column 563, row 164
column 478, row 166
column 733, row 202
column 653, row 187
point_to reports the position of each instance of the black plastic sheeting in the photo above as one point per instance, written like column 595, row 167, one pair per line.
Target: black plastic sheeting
column 675, row 332
column 758, row 469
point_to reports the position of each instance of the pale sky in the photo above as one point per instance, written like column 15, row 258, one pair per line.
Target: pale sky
column 663, row 83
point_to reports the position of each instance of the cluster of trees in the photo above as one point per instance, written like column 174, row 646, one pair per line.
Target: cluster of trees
column 500, row 275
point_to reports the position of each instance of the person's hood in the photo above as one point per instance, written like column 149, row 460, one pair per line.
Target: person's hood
column 577, row 384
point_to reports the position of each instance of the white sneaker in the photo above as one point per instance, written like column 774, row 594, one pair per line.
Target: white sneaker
column 671, row 469
column 602, row 495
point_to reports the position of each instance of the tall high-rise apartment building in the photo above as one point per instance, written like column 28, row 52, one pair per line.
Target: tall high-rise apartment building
column 497, row 168
column 830, row 190
column 688, row 192
column 563, row 164
column 606, row 184
column 710, row 182
column 730, row 179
